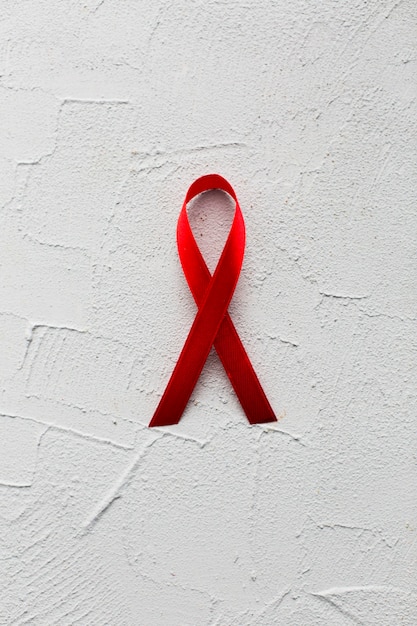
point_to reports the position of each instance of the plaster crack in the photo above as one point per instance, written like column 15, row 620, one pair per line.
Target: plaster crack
column 96, row 8
column 401, row 318
column 93, row 101
column 339, row 296
column 54, row 245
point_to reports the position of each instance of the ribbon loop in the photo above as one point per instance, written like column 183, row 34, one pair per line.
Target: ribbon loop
column 212, row 324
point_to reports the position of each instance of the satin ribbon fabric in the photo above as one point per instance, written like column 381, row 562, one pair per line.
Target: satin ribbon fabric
column 212, row 324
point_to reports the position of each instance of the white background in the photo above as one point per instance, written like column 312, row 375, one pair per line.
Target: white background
column 109, row 110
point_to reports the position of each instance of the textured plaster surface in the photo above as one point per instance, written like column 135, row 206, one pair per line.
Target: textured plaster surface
column 109, row 109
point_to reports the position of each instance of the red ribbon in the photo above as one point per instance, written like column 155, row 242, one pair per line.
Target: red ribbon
column 212, row 324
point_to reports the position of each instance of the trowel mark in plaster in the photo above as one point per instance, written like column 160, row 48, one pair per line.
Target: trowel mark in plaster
column 115, row 492
column 20, row 440
column 98, row 368
column 382, row 604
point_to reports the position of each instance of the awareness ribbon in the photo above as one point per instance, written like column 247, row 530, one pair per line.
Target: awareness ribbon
column 212, row 324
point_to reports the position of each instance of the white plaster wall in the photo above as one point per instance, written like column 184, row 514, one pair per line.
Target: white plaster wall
column 109, row 110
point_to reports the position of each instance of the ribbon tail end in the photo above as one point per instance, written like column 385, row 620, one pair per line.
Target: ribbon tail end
column 263, row 419
column 162, row 420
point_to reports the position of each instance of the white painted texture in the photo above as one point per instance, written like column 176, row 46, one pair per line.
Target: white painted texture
column 109, row 110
